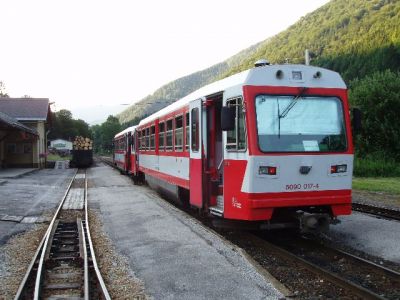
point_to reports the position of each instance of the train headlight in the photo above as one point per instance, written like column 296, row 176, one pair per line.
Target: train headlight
column 267, row 170
column 338, row 169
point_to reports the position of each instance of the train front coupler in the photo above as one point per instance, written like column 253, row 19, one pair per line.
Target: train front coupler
column 313, row 223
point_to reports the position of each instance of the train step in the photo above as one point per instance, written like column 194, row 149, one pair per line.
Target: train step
column 218, row 210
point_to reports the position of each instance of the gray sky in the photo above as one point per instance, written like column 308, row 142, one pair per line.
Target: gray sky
column 94, row 54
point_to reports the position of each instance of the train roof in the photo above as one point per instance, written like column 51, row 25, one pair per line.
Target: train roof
column 290, row 75
column 129, row 129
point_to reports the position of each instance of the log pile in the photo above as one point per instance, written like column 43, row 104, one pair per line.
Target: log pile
column 82, row 143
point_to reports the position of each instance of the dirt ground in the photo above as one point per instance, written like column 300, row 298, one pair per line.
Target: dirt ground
column 377, row 198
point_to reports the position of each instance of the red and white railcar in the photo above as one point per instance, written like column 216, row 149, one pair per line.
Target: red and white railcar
column 269, row 145
column 125, row 155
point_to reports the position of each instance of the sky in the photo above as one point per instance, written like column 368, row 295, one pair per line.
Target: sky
column 94, row 56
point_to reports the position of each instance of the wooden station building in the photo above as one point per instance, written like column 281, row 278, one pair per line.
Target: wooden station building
column 24, row 125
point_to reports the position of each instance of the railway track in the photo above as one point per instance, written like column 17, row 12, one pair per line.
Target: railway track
column 350, row 276
column 354, row 275
column 64, row 265
column 377, row 211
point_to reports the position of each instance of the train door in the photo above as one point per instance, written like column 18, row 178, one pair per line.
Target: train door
column 132, row 156
column 196, row 171
column 127, row 153
column 214, row 155
column 206, row 155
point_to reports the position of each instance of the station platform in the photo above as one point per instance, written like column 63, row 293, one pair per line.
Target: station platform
column 23, row 199
column 174, row 255
column 15, row 172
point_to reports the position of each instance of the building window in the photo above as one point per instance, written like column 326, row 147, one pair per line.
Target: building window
column 11, row 148
column 27, row 148
column 195, row 129
column 161, row 136
column 178, row 133
column 236, row 139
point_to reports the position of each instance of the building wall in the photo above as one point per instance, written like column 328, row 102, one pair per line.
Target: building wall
column 42, row 147
column 18, row 151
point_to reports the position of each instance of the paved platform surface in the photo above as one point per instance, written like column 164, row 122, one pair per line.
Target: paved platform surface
column 24, row 199
column 175, row 256
column 372, row 235
column 15, row 172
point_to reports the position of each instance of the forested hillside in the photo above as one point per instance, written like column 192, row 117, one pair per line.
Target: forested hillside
column 181, row 87
column 353, row 37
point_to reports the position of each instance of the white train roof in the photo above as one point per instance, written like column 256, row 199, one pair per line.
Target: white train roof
column 291, row 76
column 129, row 129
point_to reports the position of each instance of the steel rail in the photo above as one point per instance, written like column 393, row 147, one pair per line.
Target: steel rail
column 85, row 265
column 356, row 289
column 377, row 211
column 382, row 269
column 41, row 249
column 103, row 287
column 38, row 281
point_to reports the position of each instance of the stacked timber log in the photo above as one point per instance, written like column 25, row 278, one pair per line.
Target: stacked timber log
column 82, row 143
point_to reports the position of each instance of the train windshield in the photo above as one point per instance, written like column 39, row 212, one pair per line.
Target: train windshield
column 300, row 124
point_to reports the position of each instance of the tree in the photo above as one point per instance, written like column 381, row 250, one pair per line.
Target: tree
column 103, row 134
column 378, row 97
column 3, row 92
column 66, row 127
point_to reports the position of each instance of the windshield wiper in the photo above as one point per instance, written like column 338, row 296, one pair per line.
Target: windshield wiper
column 291, row 104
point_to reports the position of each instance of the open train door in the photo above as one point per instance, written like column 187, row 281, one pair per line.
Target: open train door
column 196, row 168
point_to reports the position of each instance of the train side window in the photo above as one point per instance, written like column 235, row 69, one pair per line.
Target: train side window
column 178, row 133
column 169, row 135
column 236, row 139
column 161, row 135
column 187, row 131
column 132, row 142
column 152, row 137
column 143, row 139
column 195, row 129
column 147, row 138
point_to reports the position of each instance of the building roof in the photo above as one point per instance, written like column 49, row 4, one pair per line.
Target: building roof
column 25, row 109
column 10, row 121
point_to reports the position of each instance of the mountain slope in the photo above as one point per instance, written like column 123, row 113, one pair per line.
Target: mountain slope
column 352, row 37
column 181, row 87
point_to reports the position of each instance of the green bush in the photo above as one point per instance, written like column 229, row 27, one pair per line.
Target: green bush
column 376, row 165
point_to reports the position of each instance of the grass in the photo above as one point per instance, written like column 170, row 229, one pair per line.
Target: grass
column 376, row 166
column 389, row 185
column 55, row 157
